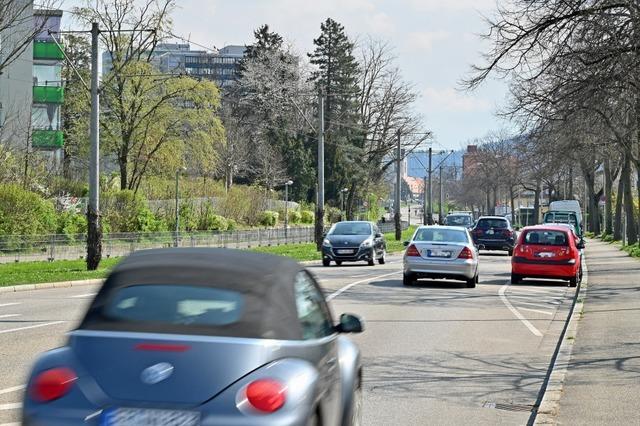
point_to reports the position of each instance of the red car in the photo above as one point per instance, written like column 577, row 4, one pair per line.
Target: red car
column 547, row 251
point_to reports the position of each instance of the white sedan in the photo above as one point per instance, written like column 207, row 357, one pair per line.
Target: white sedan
column 441, row 252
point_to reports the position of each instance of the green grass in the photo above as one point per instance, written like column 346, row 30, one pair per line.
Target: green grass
column 46, row 272
column 633, row 250
column 71, row 270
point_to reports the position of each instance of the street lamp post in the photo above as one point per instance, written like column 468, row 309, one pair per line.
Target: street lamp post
column 286, row 208
column 342, row 212
column 177, row 239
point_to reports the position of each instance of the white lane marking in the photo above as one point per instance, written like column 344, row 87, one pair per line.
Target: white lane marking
column 348, row 286
column 515, row 312
column 10, row 424
column 12, row 406
column 11, row 330
column 10, row 304
column 540, row 305
column 13, row 389
column 9, row 315
column 535, row 310
column 536, row 290
column 549, row 300
column 79, row 296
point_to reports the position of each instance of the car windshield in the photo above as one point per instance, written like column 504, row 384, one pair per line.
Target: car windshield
column 493, row 223
column 546, row 238
column 441, row 235
column 569, row 218
column 175, row 304
column 460, row 220
column 351, row 228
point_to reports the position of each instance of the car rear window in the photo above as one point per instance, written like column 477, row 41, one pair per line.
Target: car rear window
column 458, row 220
column 441, row 235
column 492, row 223
column 175, row 304
column 546, row 238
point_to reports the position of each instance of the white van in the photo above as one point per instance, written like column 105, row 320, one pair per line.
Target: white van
column 567, row 206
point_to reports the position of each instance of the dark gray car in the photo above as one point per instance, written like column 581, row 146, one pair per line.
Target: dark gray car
column 354, row 241
column 196, row 337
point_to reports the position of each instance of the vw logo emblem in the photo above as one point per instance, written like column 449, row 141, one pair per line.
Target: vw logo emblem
column 156, row 373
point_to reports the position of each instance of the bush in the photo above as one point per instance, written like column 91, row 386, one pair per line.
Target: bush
column 125, row 211
column 71, row 224
column 25, row 212
column 269, row 218
column 295, row 217
column 189, row 219
column 212, row 222
column 333, row 215
column 232, row 225
column 307, row 216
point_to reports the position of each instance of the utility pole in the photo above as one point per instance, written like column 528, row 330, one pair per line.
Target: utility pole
column 319, row 231
column 440, row 210
column 430, row 217
column 396, row 203
column 94, row 230
column 424, row 201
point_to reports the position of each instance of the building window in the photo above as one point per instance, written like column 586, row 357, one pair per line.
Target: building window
column 45, row 117
column 47, row 75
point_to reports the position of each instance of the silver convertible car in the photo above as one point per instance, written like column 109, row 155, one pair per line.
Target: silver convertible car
column 441, row 252
column 197, row 337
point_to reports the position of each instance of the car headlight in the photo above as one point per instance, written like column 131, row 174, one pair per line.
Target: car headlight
column 326, row 243
column 367, row 243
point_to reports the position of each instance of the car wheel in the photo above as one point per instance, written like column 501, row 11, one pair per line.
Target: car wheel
column 371, row 262
column 383, row 259
column 573, row 282
column 338, row 262
column 326, row 262
column 408, row 279
column 471, row 282
column 516, row 279
column 510, row 252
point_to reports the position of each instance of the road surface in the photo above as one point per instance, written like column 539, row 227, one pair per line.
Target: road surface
column 435, row 353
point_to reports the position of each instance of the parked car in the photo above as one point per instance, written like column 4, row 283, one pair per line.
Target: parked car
column 354, row 241
column 441, row 252
column 547, row 251
column 564, row 217
column 200, row 337
column 494, row 233
column 568, row 205
column 459, row 219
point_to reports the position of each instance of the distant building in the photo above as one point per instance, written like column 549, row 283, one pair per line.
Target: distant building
column 221, row 66
column 31, row 87
column 470, row 160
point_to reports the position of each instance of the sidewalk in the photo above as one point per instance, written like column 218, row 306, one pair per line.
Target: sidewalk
column 602, row 385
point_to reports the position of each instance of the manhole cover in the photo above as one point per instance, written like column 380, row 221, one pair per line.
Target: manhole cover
column 509, row 406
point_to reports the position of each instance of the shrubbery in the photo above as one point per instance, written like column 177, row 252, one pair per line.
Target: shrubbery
column 307, row 217
column 269, row 218
column 295, row 217
column 124, row 211
column 25, row 213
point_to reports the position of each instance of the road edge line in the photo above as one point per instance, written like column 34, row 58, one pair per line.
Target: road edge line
column 549, row 404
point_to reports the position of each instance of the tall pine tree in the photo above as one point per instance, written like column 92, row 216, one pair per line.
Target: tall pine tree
column 336, row 76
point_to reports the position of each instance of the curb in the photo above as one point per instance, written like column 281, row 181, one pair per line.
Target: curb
column 42, row 286
column 550, row 404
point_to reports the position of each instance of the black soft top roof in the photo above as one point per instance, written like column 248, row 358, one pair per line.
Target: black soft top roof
column 266, row 281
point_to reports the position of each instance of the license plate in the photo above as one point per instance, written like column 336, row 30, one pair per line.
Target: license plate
column 149, row 417
column 545, row 254
column 438, row 253
column 343, row 251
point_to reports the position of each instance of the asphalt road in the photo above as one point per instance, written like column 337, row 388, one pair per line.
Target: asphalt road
column 435, row 353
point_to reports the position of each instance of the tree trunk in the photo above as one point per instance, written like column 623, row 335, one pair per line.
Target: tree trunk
column 632, row 235
column 488, row 201
column 570, row 194
column 617, row 218
column 536, row 203
column 608, row 184
column 512, row 197
column 592, row 212
column 122, row 162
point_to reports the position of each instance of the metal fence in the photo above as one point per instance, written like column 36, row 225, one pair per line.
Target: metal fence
column 23, row 248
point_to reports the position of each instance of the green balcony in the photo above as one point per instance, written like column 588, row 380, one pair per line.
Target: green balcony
column 47, row 50
column 48, row 94
column 47, row 139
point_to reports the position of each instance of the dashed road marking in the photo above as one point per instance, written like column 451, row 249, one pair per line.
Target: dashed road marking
column 2, row 305
column 80, row 296
column 12, row 389
column 539, row 305
column 11, row 406
column 9, row 315
column 535, row 310
column 11, row 330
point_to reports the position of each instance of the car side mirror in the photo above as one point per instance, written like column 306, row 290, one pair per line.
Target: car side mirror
column 405, row 243
column 350, row 324
column 378, row 235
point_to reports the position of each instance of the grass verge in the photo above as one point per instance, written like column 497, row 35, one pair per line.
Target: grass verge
column 72, row 270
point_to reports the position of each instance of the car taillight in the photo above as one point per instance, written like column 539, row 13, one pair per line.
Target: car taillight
column 412, row 251
column 266, row 395
column 507, row 233
column 466, row 253
column 52, row 384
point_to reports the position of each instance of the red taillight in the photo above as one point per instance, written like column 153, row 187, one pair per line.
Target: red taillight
column 507, row 233
column 466, row 253
column 412, row 251
column 52, row 384
column 266, row 395
column 159, row 347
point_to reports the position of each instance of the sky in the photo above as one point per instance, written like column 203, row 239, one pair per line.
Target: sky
column 435, row 42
